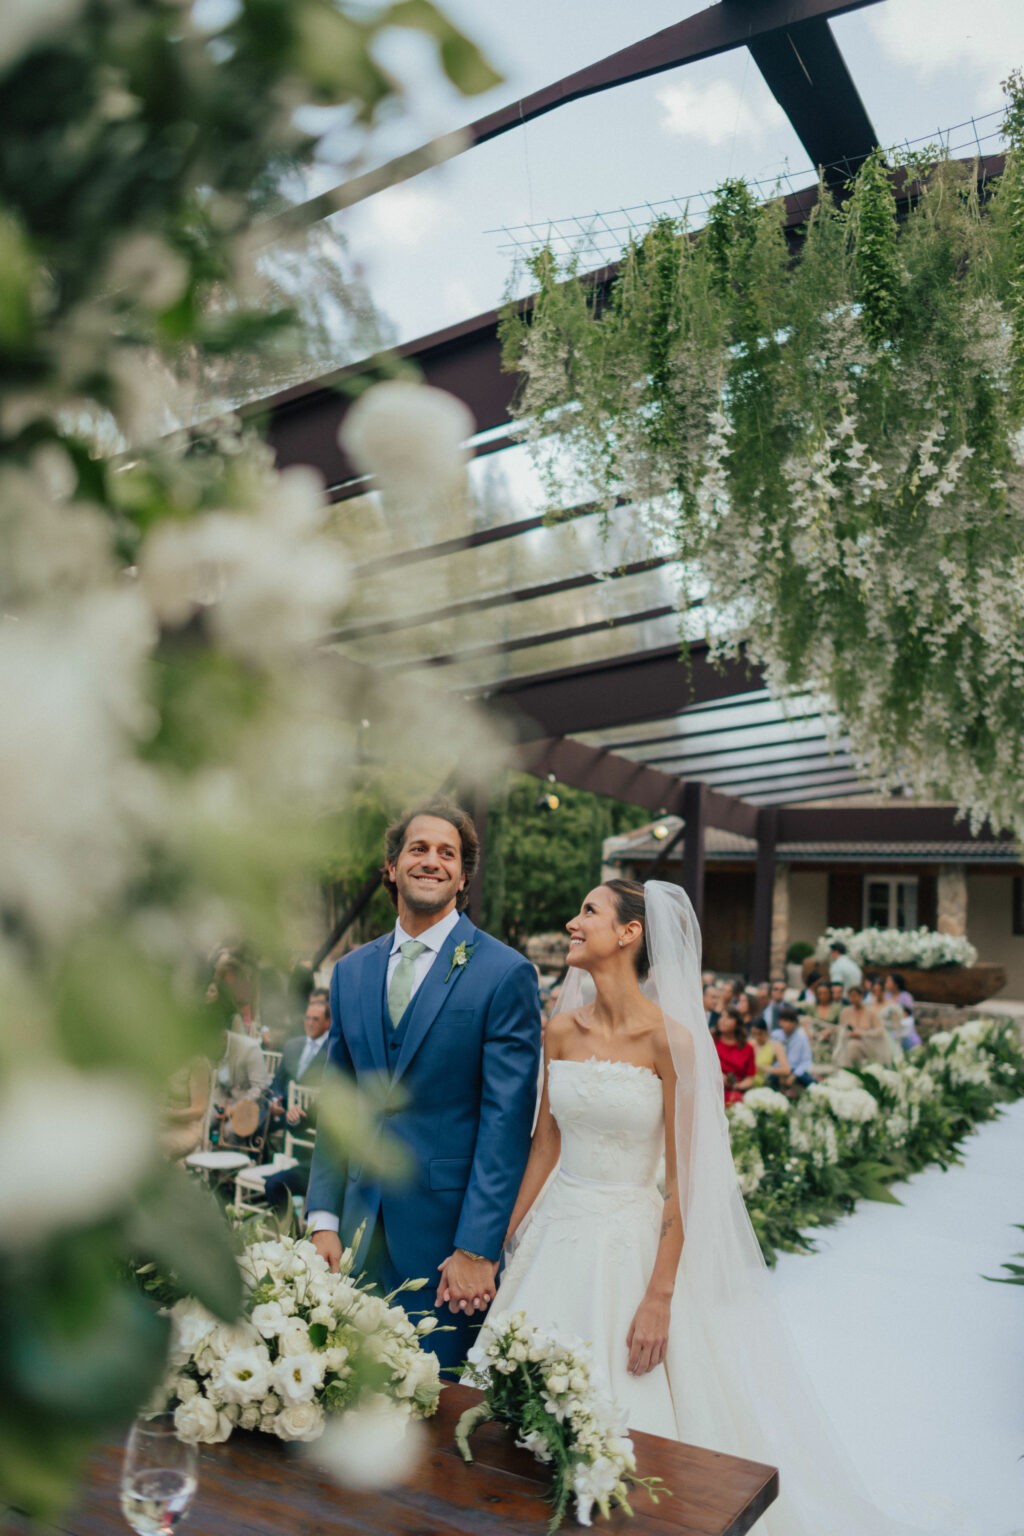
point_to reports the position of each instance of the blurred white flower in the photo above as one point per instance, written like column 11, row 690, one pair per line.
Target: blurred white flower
column 73, row 797
column 73, row 1147
column 293, row 1337
column 410, row 437
column 191, row 1326
column 147, row 269
column 271, row 581
column 26, row 22
column 373, row 1446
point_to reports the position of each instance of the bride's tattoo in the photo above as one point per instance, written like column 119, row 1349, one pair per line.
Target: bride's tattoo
column 667, row 1225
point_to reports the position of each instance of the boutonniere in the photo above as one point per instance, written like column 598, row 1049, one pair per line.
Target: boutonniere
column 461, row 956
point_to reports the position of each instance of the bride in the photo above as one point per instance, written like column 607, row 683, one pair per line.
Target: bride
column 671, row 1291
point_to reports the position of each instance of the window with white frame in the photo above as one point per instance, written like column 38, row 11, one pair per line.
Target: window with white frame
column 890, row 901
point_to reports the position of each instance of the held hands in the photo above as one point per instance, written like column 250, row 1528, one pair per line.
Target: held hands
column 328, row 1246
column 647, row 1339
column 293, row 1115
column 466, row 1284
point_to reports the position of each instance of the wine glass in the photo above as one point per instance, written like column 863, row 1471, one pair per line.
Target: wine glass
column 159, row 1476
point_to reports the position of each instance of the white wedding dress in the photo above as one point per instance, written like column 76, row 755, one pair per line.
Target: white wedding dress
column 585, row 1258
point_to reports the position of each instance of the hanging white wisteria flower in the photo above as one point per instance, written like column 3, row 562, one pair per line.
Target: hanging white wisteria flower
column 831, row 425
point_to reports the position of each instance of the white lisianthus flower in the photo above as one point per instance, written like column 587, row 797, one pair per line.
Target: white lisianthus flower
column 268, row 1319
column 426, row 1325
column 184, row 1388
column 322, row 1314
column 297, row 1377
column 299, row 1421
column 293, row 1337
column 335, row 1357
column 249, row 1418
column 376, row 1445
column 191, row 1326
column 535, row 1442
column 243, row 1376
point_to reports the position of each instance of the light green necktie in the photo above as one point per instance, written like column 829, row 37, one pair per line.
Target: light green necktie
column 400, row 990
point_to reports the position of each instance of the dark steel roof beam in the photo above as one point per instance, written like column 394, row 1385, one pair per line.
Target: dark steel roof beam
column 603, row 773
column 882, row 824
column 806, row 73
column 754, row 783
column 754, row 757
column 647, row 685
column 794, row 767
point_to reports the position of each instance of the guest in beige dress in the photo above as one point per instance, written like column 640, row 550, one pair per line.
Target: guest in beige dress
column 861, row 1035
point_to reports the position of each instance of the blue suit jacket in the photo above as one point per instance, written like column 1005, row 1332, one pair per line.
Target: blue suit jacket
column 467, row 1073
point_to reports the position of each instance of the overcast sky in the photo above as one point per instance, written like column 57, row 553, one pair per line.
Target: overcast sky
column 426, row 247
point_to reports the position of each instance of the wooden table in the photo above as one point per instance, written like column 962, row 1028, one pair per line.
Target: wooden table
column 255, row 1486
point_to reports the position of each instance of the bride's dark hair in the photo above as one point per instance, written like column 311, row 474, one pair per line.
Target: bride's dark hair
column 631, row 907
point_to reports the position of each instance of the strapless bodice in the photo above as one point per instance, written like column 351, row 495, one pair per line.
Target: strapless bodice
column 611, row 1118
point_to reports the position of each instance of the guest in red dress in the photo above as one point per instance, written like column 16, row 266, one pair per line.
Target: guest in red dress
column 739, row 1068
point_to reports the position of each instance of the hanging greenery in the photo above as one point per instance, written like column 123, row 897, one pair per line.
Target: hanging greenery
column 831, row 441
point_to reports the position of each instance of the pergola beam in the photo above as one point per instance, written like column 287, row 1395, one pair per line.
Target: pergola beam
column 882, row 824
column 603, row 773
column 625, row 691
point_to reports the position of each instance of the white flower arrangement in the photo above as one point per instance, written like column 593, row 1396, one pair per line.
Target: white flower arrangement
column 307, row 1346
column 920, row 947
column 766, row 1101
column 541, row 1385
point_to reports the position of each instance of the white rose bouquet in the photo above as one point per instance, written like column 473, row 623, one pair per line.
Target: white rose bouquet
column 310, row 1343
column 540, row 1385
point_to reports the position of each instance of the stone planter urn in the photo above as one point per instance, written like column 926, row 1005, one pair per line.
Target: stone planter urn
column 962, row 986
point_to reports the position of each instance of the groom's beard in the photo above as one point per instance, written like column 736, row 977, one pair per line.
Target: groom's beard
column 426, row 901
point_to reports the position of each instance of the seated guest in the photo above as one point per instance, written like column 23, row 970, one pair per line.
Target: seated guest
column 712, row 1004
column 776, row 1002
column 820, row 1019
column 895, row 986
column 888, row 1009
column 736, row 1054
column 837, row 992
column 184, row 1109
column 302, row 1061
column 746, row 1007
column 768, row 1054
column 762, row 997
column 730, row 991
column 793, row 1039
column 861, row 1035
column 240, row 1074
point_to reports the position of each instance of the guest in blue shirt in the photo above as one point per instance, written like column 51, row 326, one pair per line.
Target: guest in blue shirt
column 793, row 1039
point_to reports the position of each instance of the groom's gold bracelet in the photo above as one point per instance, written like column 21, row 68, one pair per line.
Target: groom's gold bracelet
column 481, row 1256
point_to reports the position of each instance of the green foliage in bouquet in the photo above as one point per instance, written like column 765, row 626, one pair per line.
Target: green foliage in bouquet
column 540, row 1386
column 802, row 1165
column 171, row 736
column 829, row 443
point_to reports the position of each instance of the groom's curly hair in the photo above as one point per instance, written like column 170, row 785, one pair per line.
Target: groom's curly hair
column 444, row 810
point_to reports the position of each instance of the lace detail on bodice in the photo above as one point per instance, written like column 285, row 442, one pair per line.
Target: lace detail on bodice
column 611, row 1118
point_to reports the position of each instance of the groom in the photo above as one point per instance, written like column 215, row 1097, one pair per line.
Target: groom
column 451, row 1019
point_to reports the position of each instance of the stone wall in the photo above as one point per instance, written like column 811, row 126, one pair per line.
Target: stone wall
column 780, row 922
column 951, row 897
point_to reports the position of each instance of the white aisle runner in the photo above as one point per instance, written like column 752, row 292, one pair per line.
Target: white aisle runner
column 918, row 1360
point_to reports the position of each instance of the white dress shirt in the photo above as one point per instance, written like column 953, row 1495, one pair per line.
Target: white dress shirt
column 434, row 938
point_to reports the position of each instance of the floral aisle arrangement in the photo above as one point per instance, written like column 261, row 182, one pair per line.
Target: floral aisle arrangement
column 825, row 430
column 921, row 947
column 540, row 1385
column 849, row 1137
column 309, row 1343
column 176, row 741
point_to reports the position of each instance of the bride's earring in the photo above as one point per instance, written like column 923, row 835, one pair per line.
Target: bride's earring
column 621, row 942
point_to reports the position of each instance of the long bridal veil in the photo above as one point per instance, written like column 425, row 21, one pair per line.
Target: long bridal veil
column 739, row 1384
